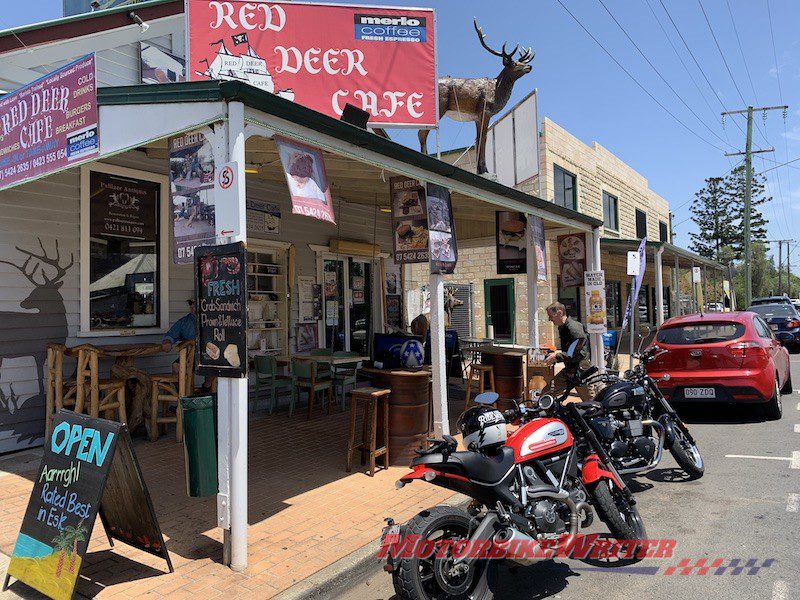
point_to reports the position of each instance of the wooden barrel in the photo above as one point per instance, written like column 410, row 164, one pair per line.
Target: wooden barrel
column 509, row 380
column 409, row 405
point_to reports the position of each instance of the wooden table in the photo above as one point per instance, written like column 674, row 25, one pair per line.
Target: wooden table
column 139, row 382
column 336, row 361
column 409, row 409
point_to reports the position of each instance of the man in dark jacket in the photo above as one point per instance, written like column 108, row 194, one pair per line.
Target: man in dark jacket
column 569, row 331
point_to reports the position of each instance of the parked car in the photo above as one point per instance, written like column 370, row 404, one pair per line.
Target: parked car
column 784, row 320
column 729, row 357
column 771, row 300
column 714, row 307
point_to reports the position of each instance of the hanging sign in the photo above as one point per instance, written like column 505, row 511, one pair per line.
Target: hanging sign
column 123, row 207
column 323, row 56
column 49, row 124
column 263, row 217
column 393, row 313
column 191, row 179
column 308, row 183
column 641, row 254
column 305, row 299
column 633, row 263
column 441, row 229
column 226, row 195
column 510, row 242
column 221, row 288
column 409, row 221
column 88, row 468
column 696, row 274
column 536, row 233
column 572, row 258
column 594, row 283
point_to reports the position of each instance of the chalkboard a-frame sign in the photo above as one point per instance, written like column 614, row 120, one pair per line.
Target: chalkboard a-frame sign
column 221, row 288
column 88, row 468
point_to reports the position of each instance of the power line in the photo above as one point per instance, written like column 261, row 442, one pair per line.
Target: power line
column 652, row 66
column 786, row 164
column 741, row 51
column 632, row 78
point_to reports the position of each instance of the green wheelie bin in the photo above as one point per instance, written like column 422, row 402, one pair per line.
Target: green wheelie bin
column 200, row 443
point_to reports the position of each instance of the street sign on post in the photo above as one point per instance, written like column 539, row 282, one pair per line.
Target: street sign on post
column 226, row 196
column 696, row 274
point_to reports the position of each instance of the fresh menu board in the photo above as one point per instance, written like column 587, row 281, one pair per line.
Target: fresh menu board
column 88, row 468
column 221, row 286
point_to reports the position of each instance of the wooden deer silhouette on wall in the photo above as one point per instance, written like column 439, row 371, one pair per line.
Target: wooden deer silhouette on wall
column 24, row 334
column 479, row 99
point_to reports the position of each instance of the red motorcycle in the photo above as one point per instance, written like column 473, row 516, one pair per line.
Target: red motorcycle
column 539, row 483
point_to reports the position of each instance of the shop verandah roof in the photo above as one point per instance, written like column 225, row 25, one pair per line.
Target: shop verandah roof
column 684, row 256
column 270, row 112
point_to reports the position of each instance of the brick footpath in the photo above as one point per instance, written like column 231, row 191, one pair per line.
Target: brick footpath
column 305, row 513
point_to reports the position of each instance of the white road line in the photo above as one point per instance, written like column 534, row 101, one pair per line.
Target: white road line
column 795, row 460
column 797, row 428
column 793, row 503
column 786, row 458
column 798, row 406
column 780, row 590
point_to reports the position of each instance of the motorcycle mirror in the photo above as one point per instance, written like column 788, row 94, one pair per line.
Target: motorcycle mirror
column 487, row 398
column 546, row 402
column 644, row 330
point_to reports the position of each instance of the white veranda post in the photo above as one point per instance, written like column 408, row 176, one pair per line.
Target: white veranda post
column 659, row 287
column 441, row 420
column 596, row 339
column 232, row 392
column 533, row 290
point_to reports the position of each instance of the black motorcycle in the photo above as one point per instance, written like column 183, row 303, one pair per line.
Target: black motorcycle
column 634, row 422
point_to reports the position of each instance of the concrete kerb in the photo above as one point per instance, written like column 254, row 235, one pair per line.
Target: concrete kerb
column 327, row 583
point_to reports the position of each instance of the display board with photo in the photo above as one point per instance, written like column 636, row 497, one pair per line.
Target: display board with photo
column 443, row 250
column 304, row 168
column 409, row 221
column 572, row 259
column 191, row 178
column 160, row 66
column 263, row 217
column 511, row 242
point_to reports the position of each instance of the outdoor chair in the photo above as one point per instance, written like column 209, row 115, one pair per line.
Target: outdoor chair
column 60, row 392
column 305, row 376
column 168, row 388
column 267, row 376
column 345, row 375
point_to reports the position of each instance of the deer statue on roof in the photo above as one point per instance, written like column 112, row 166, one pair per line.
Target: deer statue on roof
column 479, row 99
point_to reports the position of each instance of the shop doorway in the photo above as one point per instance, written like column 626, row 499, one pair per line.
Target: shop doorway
column 500, row 309
column 348, row 304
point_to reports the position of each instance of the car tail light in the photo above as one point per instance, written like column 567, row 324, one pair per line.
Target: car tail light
column 747, row 349
column 793, row 324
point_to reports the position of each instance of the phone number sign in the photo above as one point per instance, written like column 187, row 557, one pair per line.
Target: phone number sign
column 49, row 124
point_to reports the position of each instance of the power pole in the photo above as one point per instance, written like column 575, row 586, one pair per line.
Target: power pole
column 780, row 263
column 748, row 173
column 788, row 271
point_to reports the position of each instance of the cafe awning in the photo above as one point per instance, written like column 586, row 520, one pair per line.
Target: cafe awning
column 685, row 257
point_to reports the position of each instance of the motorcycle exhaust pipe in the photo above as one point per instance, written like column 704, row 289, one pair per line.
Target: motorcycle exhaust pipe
column 659, row 451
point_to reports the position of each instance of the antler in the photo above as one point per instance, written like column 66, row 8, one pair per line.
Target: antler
column 23, row 268
column 502, row 54
column 526, row 56
column 43, row 258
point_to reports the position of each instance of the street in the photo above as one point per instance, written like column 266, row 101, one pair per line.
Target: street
column 745, row 507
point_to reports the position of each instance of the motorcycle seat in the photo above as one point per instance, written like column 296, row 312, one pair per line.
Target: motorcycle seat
column 483, row 468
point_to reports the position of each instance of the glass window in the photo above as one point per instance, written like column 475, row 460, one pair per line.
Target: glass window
column 610, row 211
column 762, row 328
column 641, row 224
column 613, row 304
column 707, row 333
column 124, row 252
column 663, row 232
column 774, row 310
column 565, row 188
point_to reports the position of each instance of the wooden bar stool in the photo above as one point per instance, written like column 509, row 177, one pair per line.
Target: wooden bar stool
column 105, row 394
column 169, row 388
column 370, row 397
column 481, row 371
column 59, row 392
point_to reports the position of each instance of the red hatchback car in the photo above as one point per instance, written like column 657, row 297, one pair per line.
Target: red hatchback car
column 722, row 357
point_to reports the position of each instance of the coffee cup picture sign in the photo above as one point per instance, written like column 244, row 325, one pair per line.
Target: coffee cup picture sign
column 221, row 286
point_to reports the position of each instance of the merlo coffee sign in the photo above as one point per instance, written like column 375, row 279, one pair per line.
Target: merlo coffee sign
column 49, row 124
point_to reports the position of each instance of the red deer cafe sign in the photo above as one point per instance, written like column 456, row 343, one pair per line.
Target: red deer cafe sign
column 322, row 56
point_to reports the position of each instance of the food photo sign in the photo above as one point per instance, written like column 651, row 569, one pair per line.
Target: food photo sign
column 380, row 59
column 512, row 254
column 409, row 220
column 49, row 124
column 441, row 229
column 571, row 259
column 221, row 284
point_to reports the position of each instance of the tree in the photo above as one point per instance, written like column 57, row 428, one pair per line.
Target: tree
column 61, row 544
column 712, row 214
column 735, row 185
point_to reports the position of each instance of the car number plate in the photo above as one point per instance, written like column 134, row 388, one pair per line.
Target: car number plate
column 774, row 327
column 699, row 393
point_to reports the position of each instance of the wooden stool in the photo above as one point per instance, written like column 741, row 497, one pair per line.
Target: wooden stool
column 171, row 387
column 105, row 395
column 481, row 371
column 61, row 393
column 370, row 396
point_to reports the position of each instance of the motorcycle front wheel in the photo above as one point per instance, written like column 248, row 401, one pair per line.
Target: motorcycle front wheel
column 620, row 516
column 685, row 452
column 432, row 578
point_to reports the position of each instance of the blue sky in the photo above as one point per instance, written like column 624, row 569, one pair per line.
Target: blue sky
column 581, row 88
